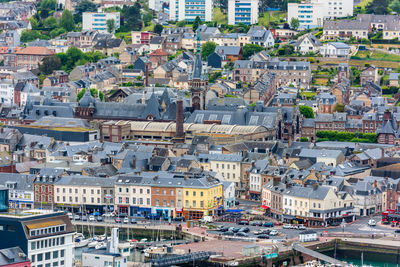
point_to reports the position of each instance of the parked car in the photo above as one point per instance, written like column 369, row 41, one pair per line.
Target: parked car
column 70, row 215
column 133, row 221
column 117, row 220
column 84, row 218
column 229, row 233
column 243, row 222
column 122, row 215
column 243, row 234
column 268, row 224
column 126, row 220
column 263, row 236
column 179, row 219
column 153, row 217
column 91, row 218
column 235, row 230
column 225, row 229
column 256, row 223
column 273, row 233
column 301, row 227
column 287, row 226
column 77, row 217
column 99, row 218
column 258, row 232
column 371, row 222
column 244, row 229
column 397, row 231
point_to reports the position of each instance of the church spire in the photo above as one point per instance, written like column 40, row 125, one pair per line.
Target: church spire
column 198, row 42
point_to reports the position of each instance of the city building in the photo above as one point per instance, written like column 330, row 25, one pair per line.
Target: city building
column 188, row 10
column 242, row 11
column 47, row 239
column 312, row 13
column 14, row 257
column 98, row 21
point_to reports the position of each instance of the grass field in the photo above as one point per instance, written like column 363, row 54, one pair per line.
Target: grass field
column 308, row 94
column 273, row 16
column 220, row 17
column 377, row 55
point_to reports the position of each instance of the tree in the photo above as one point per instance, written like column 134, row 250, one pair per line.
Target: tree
column 207, row 49
column 196, row 23
column 339, row 108
column 251, row 49
column 295, row 23
column 67, row 20
column 158, row 28
column 50, row 23
column 50, row 64
column 181, row 23
column 132, row 17
column 307, row 112
column 378, row 7
column 395, row 6
column 110, row 25
column 83, row 6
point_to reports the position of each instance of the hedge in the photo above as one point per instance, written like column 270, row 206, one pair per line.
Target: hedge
column 346, row 137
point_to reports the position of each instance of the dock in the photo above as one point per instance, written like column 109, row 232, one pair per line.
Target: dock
column 317, row 255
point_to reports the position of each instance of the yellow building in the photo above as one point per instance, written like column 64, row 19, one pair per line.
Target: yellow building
column 201, row 197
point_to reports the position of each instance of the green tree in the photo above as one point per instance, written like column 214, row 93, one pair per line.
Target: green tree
column 196, row 23
column 67, row 20
column 207, row 49
column 307, row 112
column 34, row 23
column 132, row 17
column 110, row 25
column 83, row 6
column 50, row 64
column 158, row 28
column 181, row 23
column 294, row 23
column 379, row 7
column 251, row 49
column 50, row 23
column 339, row 108
column 395, row 6
column 31, row 35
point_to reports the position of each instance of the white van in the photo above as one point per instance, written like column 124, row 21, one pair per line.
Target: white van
column 371, row 222
column 207, row 219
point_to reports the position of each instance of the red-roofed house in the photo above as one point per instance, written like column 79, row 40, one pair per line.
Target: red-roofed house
column 31, row 57
column 158, row 57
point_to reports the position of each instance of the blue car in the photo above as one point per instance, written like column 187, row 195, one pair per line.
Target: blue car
column 153, row 217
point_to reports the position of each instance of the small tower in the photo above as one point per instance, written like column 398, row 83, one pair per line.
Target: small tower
column 198, row 80
column 179, row 130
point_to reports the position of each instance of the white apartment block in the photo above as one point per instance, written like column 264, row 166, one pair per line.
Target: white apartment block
column 98, row 20
column 312, row 13
column 188, row 10
column 7, row 92
column 157, row 5
column 242, row 11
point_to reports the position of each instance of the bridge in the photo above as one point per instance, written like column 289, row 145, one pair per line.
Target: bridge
column 180, row 259
column 318, row 255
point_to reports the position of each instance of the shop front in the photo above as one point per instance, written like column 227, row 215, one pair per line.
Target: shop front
column 19, row 204
column 193, row 214
column 139, row 211
column 178, row 212
column 266, row 210
column 162, row 212
column 123, row 209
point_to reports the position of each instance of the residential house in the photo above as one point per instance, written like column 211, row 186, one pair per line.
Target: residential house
column 308, row 44
column 335, row 50
column 31, row 57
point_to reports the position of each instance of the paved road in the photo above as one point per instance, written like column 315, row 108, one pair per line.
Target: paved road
column 358, row 227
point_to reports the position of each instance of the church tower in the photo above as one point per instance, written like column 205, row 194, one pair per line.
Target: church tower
column 198, row 80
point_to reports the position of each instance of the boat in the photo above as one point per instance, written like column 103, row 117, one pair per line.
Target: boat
column 101, row 245
column 125, row 248
column 80, row 241
column 92, row 243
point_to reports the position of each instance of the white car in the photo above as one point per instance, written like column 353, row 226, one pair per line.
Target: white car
column 372, row 222
column 126, row 220
column 273, row 233
column 91, row 218
column 301, row 227
column 70, row 215
column 287, row 226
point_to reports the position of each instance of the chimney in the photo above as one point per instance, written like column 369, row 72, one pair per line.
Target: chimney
column 383, row 153
column 134, row 163
column 315, row 186
column 288, row 185
column 2, row 130
column 276, row 180
column 179, row 119
column 375, row 184
column 387, row 116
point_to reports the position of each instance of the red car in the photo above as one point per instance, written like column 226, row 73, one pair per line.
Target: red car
column 118, row 220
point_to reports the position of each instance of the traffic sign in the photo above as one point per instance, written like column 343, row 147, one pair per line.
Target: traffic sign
column 271, row 256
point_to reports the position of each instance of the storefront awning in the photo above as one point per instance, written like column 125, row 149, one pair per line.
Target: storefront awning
column 234, row 211
column 264, row 207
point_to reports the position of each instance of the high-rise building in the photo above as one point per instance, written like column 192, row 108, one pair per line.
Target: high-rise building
column 312, row 13
column 47, row 239
column 188, row 10
column 98, row 21
column 242, row 11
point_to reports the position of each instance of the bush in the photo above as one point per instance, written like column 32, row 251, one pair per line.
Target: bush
column 346, row 137
column 303, row 139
